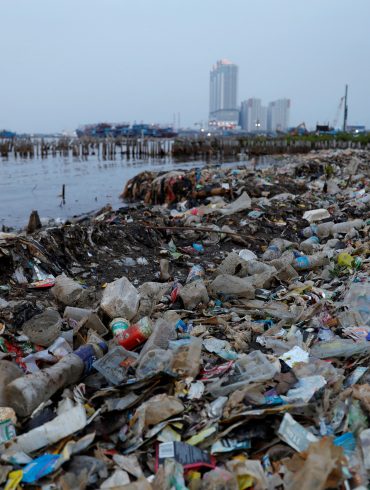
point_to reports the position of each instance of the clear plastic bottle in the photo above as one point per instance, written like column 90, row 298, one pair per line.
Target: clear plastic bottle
column 323, row 230
column 347, row 226
column 26, row 393
column 339, row 348
column 310, row 245
column 275, row 249
column 305, row 263
column 254, row 367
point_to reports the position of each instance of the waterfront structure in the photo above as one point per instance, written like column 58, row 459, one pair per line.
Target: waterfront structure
column 278, row 115
column 253, row 116
column 223, row 108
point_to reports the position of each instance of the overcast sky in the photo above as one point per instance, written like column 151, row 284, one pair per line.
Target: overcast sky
column 69, row 62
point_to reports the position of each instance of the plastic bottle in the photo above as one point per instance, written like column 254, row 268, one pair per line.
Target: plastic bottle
column 305, row 263
column 163, row 332
column 309, row 245
column 323, row 230
column 254, row 367
column 164, row 266
column 62, row 426
column 347, row 226
column 187, row 358
column 76, row 313
column 275, row 249
column 257, row 267
column 195, row 273
column 26, row 393
column 339, row 348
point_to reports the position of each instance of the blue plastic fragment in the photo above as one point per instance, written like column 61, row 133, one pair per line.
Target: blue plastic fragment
column 40, row 467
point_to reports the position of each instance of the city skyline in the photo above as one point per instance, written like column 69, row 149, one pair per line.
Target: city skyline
column 67, row 63
column 225, row 111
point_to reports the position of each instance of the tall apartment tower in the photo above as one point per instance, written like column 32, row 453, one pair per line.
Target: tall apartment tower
column 278, row 115
column 253, row 116
column 223, row 90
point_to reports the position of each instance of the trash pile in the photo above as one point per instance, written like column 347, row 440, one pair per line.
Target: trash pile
column 211, row 340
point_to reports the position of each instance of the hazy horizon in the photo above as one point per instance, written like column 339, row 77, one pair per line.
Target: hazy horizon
column 67, row 63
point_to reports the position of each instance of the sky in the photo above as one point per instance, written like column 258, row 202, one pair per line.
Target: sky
column 69, row 62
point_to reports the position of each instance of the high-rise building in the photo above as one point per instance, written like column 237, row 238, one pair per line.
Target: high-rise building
column 253, row 116
column 278, row 115
column 223, row 92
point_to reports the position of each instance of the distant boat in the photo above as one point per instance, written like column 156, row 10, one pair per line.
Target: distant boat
column 4, row 133
column 103, row 130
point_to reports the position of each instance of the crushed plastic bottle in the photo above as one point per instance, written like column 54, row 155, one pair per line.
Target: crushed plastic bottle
column 340, row 348
column 28, row 392
column 275, row 249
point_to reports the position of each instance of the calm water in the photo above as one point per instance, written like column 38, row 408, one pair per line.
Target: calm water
column 90, row 184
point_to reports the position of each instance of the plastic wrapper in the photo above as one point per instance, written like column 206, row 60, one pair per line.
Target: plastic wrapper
column 294, row 434
column 358, row 300
column 305, row 389
column 56, row 351
column 243, row 202
column 40, row 467
column 294, row 355
column 365, row 446
column 190, row 457
column 229, row 445
column 220, row 347
column 220, row 479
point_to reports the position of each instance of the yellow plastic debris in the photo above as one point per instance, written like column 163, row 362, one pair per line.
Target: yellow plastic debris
column 344, row 259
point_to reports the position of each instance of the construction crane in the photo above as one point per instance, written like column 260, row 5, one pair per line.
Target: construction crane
column 343, row 100
column 345, row 110
column 335, row 122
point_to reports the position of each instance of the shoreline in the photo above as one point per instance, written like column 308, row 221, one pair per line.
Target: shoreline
column 219, row 295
